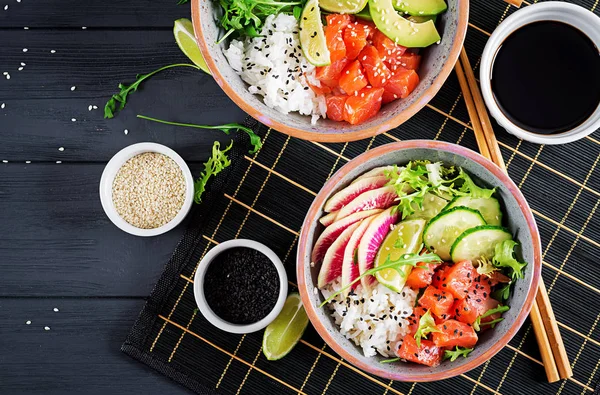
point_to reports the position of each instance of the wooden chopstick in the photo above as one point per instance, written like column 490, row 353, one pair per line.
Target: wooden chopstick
column 552, row 348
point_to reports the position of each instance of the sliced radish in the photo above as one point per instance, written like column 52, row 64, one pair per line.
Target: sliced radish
column 328, row 219
column 382, row 198
column 332, row 261
column 376, row 172
column 349, row 265
column 353, row 190
column 371, row 241
column 333, row 231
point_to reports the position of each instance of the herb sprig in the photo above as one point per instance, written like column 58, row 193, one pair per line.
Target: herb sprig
column 397, row 264
column 117, row 102
column 213, row 166
column 500, row 309
column 426, row 326
column 457, row 352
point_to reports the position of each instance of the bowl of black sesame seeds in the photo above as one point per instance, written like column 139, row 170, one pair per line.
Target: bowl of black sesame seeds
column 146, row 189
column 240, row 286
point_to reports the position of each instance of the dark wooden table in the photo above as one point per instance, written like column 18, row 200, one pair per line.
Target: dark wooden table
column 57, row 248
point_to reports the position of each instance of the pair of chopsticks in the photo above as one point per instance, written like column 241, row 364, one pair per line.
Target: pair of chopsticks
column 552, row 348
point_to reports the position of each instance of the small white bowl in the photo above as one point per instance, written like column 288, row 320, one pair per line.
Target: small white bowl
column 201, row 299
column 110, row 172
column 559, row 11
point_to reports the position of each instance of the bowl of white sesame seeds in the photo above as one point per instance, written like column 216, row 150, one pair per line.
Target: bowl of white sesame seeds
column 146, row 189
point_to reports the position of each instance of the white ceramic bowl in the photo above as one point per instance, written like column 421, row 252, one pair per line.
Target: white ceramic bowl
column 110, row 172
column 571, row 14
column 201, row 299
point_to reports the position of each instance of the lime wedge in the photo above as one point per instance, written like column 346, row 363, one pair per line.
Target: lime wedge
column 405, row 238
column 312, row 35
column 282, row 334
column 184, row 35
column 343, row 6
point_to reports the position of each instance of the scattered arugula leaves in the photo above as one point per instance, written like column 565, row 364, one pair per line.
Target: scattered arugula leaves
column 500, row 309
column 225, row 128
column 457, row 352
column 406, row 259
column 213, row 166
column 502, row 293
column 426, row 326
column 504, row 257
column 117, row 102
column 390, row 360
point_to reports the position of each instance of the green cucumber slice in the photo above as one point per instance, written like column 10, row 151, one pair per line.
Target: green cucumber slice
column 441, row 232
column 432, row 206
column 488, row 207
column 420, row 7
column 478, row 242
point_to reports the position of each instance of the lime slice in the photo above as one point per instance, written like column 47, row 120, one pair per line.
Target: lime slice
column 282, row 334
column 184, row 35
column 312, row 35
column 343, row 6
column 405, row 238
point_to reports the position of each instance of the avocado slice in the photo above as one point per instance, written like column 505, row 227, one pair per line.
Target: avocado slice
column 421, row 19
column 420, row 7
column 399, row 29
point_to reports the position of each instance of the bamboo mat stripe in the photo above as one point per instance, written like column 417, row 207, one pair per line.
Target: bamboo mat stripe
column 265, row 198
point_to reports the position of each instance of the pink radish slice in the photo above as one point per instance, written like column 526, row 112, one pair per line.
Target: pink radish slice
column 333, row 231
column 383, row 198
column 350, row 269
column 371, row 241
column 376, row 172
column 328, row 219
column 332, row 262
column 348, row 194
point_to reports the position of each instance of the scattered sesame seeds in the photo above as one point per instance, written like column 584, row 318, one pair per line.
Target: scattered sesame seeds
column 126, row 132
column 90, row 107
column 2, row 105
column 25, row 28
column 46, row 328
column 25, row 50
column 7, row 76
column 61, row 149
column 73, row 88
column 4, row 161
column 22, row 63
column 59, row 162
column 20, row 68
column 6, row 7
column 28, row 161
column 56, row 309
column 73, row 120
column 83, row 27
column 27, row 322
column 52, row 51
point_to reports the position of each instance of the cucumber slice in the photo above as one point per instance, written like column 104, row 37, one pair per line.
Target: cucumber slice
column 478, row 242
column 488, row 207
column 432, row 206
column 441, row 232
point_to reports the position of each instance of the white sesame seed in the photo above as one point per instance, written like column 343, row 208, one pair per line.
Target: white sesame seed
column 22, row 63
column 73, row 120
column 7, row 76
column 2, row 105
column 25, row 27
column 52, row 51
column 312, row 264
column 27, row 322
column 46, row 328
column 90, row 107
column 83, row 27
column 4, row 161
column 18, row 1
column 25, row 50
column 61, row 149
column 56, row 309
column 20, row 68
column 6, row 7
column 73, row 87
column 27, row 161
column 95, row 107
column 59, row 162
column 126, row 132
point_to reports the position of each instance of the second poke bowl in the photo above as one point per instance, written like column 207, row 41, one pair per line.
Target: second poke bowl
column 358, row 83
column 418, row 260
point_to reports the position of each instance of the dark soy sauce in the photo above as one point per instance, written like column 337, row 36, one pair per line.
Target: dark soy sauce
column 546, row 77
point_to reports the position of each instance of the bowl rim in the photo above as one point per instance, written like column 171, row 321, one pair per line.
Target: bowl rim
column 211, row 316
column 326, row 191
column 426, row 96
column 110, row 172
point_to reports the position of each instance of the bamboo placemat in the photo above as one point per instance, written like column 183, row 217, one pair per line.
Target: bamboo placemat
column 265, row 198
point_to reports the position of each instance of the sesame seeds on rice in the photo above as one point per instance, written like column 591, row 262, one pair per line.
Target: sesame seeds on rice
column 149, row 190
column 275, row 68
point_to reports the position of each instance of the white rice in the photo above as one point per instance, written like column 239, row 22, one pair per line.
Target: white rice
column 275, row 68
column 374, row 320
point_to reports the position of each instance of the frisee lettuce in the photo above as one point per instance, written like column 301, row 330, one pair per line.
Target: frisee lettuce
column 485, row 267
column 504, row 257
column 426, row 326
column 213, row 166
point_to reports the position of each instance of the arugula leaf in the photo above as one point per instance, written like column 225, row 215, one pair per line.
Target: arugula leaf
column 390, row 360
column 457, row 352
column 225, row 128
column 500, row 309
column 504, row 257
column 117, row 102
column 502, row 293
column 213, row 166
column 426, row 326
column 180, row 2
column 485, row 267
column 469, row 188
column 406, row 259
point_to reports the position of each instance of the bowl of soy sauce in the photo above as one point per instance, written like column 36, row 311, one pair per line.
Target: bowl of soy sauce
column 540, row 73
column 240, row 286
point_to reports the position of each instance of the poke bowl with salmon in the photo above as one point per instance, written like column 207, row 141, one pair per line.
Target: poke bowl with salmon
column 418, row 260
column 330, row 70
